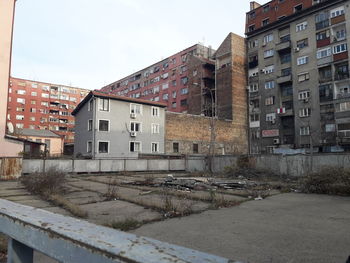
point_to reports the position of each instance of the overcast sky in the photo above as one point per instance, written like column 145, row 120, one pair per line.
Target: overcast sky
column 91, row 43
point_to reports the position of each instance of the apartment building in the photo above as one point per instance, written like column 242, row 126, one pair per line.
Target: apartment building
column 110, row 126
column 43, row 106
column 166, row 81
column 8, row 147
column 298, row 75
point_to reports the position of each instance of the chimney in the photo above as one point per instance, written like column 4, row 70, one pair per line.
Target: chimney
column 254, row 5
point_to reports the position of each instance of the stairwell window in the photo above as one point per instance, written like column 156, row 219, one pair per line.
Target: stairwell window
column 301, row 26
column 304, row 131
column 104, row 104
column 302, row 60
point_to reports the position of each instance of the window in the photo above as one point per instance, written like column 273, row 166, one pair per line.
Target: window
column 175, row 147
column 34, row 93
column 136, row 108
column 20, row 117
column 155, row 111
column 253, row 87
column 155, row 147
column 330, row 127
column 89, row 147
column 155, row 128
column 268, row 38
column 271, row 117
column 174, row 94
column 337, row 12
column 165, row 86
column 173, row 105
column 165, row 96
column 155, row 89
column 303, row 43
column 33, row 102
column 340, row 48
column 195, row 148
column 45, row 95
column 103, row 147
column 156, row 98
column 303, row 76
column 322, row 20
column 265, row 22
column 302, row 60
column 90, row 105
column 19, row 125
column 322, row 53
column 269, row 84
column 304, row 95
column 252, row 15
column 135, row 126
column 21, row 100
column 135, row 146
column 305, row 112
column 251, row 28
column 322, row 35
column 269, row 69
column 184, row 80
column 21, row 92
column 104, row 104
column 90, row 125
column 254, row 117
column 253, row 43
column 103, row 125
column 266, row 8
column 304, row 131
column 270, row 100
column 268, row 53
column 285, row 58
column 184, row 91
column 34, row 85
column 45, row 104
column 344, row 106
column 301, row 26
column 298, row 8
column 19, row 109
column 183, row 102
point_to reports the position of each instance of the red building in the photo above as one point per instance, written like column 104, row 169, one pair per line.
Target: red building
column 44, row 106
column 165, row 81
column 273, row 11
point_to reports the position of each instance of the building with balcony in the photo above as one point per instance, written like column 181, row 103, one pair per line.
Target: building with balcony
column 298, row 75
column 43, row 106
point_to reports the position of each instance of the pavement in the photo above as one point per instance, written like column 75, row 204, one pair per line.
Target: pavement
column 293, row 228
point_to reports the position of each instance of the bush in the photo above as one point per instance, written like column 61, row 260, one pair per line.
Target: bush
column 329, row 180
column 45, row 184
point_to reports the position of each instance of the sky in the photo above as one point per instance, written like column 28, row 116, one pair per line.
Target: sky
column 92, row 43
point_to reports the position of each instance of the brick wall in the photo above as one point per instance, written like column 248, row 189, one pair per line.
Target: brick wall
column 187, row 130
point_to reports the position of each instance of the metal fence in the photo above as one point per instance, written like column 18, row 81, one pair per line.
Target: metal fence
column 70, row 240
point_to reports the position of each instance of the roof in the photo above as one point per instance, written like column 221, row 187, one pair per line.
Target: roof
column 37, row 133
column 101, row 94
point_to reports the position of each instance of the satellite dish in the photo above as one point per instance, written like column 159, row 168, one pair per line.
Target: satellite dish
column 10, row 127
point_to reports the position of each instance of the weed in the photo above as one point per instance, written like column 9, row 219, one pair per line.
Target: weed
column 69, row 206
column 149, row 179
column 112, row 189
column 47, row 183
column 329, row 180
column 126, row 225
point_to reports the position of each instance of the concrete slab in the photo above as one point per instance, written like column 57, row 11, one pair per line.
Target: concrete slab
column 283, row 228
column 107, row 212
column 35, row 203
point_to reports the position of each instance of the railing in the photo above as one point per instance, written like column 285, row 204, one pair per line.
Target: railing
column 69, row 240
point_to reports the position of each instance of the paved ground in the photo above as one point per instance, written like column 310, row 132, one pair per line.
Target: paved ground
column 293, row 228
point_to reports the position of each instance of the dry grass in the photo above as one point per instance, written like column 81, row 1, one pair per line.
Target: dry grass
column 329, row 180
column 69, row 206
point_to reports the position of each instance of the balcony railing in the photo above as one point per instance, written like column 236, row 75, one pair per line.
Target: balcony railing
column 69, row 240
column 284, row 79
column 283, row 46
column 341, row 76
column 344, row 134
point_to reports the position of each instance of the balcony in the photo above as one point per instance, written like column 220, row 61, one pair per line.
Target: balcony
column 284, row 79
column 254, row 124
column 323, row 42
column 337, row 19
column 340, row 56
column 322, row 24
column 343, row 95
column 282, row 46
column 341, row 76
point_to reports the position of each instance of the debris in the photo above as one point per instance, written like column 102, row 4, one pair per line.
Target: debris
column 258, row 198
column 146, row 193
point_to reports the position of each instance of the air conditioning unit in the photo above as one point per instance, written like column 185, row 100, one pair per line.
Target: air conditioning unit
column 132, row 115
column 276, row 141
column 264, row 44
column 306, row 100
column 273, row 122
column 297, row 49
column 133, row 134
column 263, row 70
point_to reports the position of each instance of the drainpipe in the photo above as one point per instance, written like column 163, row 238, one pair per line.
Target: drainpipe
column 94, row 126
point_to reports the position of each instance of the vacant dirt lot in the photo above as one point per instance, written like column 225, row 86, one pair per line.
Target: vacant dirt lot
column 239, row 219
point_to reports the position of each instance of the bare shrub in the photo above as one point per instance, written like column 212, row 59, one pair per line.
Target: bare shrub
column 149, row 179
column 329, row 180
column 47, row 183
column 112, row 190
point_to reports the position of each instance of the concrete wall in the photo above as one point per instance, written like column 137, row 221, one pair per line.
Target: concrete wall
column 7, row 147
column 102, row 165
